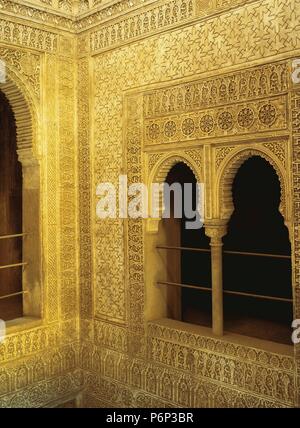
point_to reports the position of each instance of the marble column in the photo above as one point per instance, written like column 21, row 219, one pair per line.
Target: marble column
column 215, row 231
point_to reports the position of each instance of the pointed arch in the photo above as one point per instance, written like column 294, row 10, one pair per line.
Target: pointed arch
column 161, row 170
column 25, row 113
column 159, row 174
column 229, row 171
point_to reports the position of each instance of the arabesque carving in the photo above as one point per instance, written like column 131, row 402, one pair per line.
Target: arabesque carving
column 208, row 82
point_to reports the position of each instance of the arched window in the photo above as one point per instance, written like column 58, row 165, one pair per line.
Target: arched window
column 186, row 254
column 11, row 299
column 257, row 257
column 20, row 238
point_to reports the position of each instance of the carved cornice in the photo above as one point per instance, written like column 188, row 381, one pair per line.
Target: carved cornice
column 107, row 10
column 27, row 36
column 59, row 7
column 36, row 14
column 80, row 15
column 104, row 10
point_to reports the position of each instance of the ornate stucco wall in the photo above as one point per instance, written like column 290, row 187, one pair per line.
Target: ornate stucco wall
column 39, row 358
column 205, row 91
column 208, row 82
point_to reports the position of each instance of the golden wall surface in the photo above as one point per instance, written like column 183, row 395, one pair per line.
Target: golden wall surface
column 133, row 89
column 39, row 358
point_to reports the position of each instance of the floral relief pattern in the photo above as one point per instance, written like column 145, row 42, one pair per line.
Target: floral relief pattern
column 233, row 120
column 174, row 87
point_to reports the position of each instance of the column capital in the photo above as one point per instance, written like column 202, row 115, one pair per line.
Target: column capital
column 216, row 229
column 152, row 225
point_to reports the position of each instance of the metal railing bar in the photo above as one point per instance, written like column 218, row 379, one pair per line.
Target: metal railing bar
column 243, row 253
column 198, row 250
column 16, row 235
column 235, row 293
column 258, row 296
column 7, row 296
column 239, row 253
column 13, row 265
column 175, row 284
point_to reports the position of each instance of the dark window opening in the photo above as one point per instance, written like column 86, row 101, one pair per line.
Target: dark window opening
column 256, row 226
column 187, row 267
column 11, row 217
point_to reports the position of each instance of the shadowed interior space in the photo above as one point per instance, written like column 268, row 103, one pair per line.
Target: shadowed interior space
column 256, row 258
column 11, row 216
column 194, row 266
column 257, row 226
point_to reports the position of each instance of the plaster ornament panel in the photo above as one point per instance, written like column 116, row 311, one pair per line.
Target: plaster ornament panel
column 82, row 45
column 295, row 105
column 51, row 180
column 295, row 114
column 149, row 20
column 142, row 23
column 66, row 5
column 22, row 345
column 69, row 330
column 68, row 218
column 67, row 45
column 110, row 336
column 108, row 391
column 242, row 85
column 45, row 392
column 238, row 120
column 153, row 159
column 84, row 154
column 26, row 36
column 296, row 182
column 109, row 300
column 74, row 8
column 118, row 11
column 274, row 384
column 83, row 14
column 34, row 13
column 135, row 227
column 151, row 384
column 48, row 2
column 196, row 156
column 26, row 64
column 109, row 282
column 86, row 330
column 278, row 148
column 67, row 14
column 221, row 154
column 59, row 6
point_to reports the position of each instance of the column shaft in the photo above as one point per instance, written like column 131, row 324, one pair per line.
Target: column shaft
column 217, row 286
